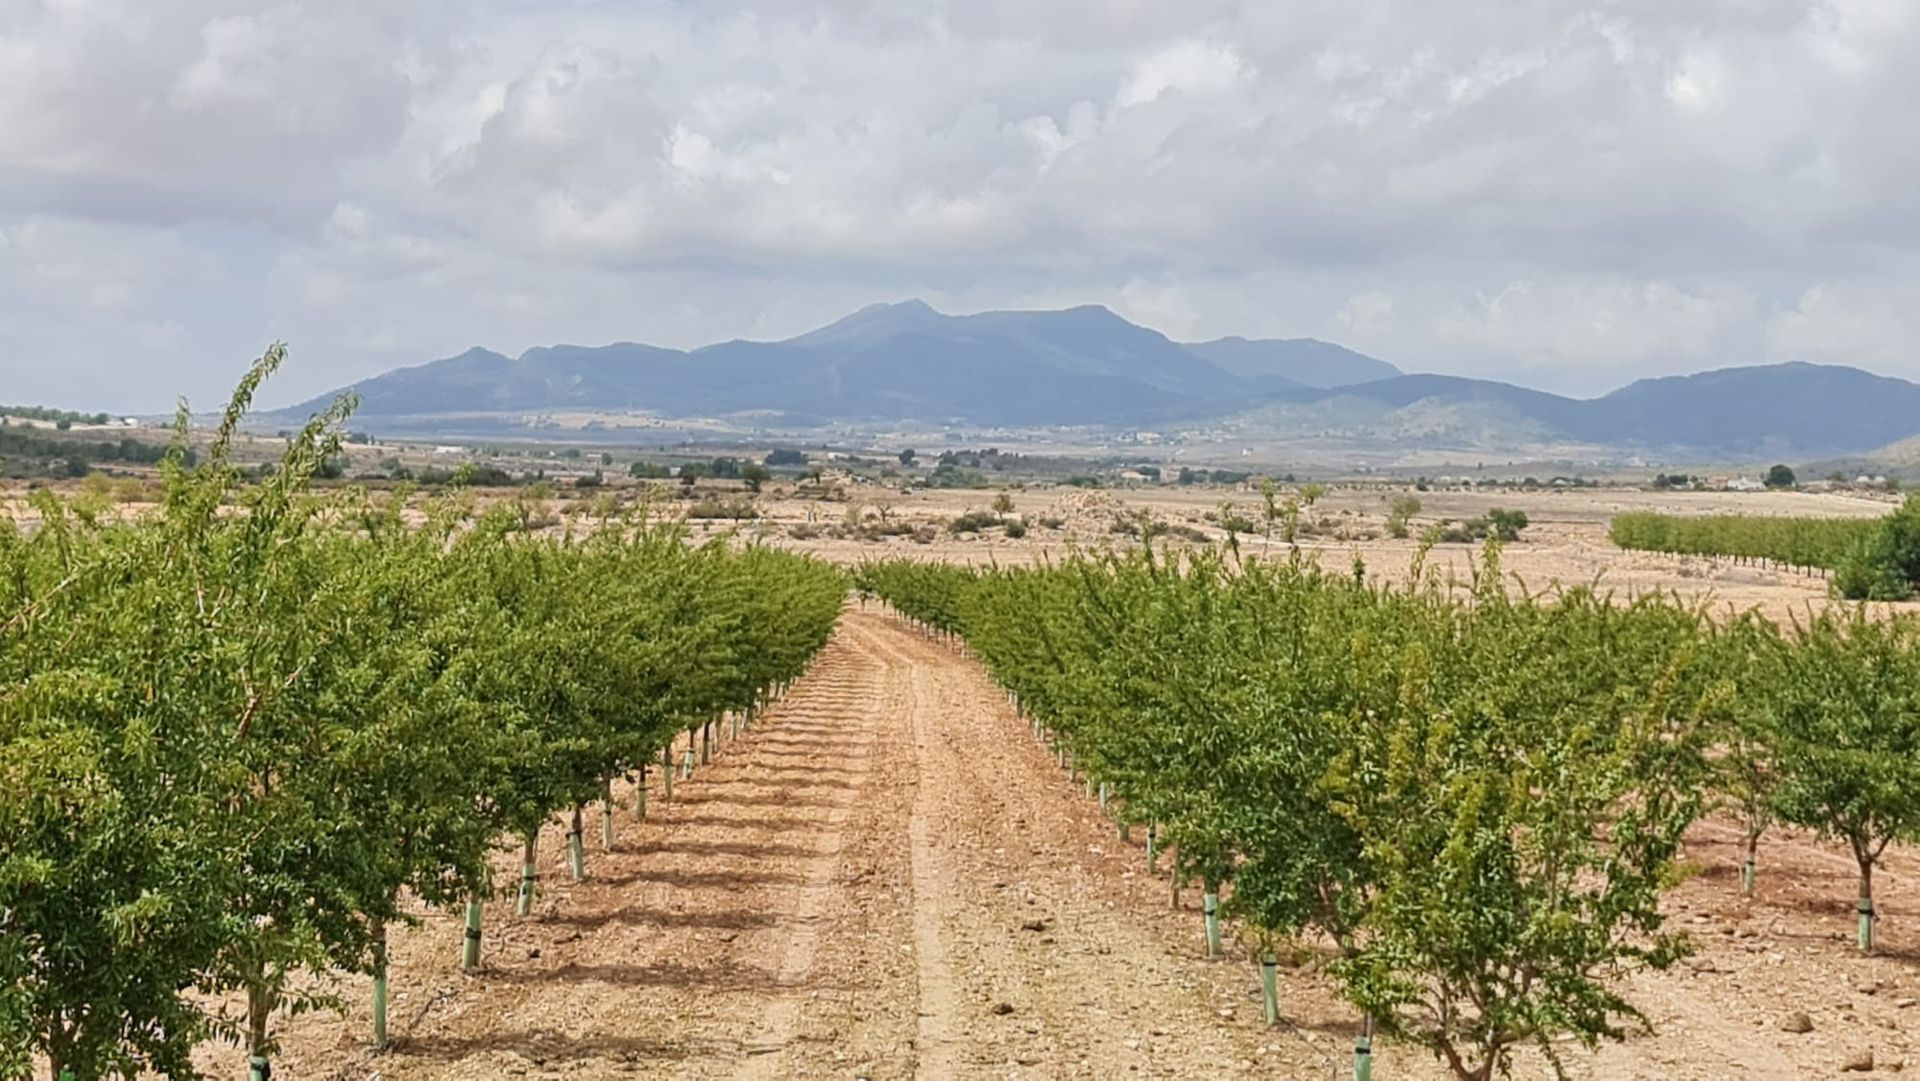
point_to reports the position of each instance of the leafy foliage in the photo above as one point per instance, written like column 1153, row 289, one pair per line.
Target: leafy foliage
column 1872, row 559
column 238, row 733
column 1478, row 803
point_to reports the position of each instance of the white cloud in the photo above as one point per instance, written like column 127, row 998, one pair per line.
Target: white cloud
column 1537, row 190
column 1367, row 313
column 1870, row 323
column 1605, row 322
column 1187, row 67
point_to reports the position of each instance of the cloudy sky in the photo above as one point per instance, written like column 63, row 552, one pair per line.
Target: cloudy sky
column 1567, row 193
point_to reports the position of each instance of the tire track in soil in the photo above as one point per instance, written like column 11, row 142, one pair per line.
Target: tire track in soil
column 1042, row 951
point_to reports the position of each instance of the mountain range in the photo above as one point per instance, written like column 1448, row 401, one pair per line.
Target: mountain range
column 1087, row 366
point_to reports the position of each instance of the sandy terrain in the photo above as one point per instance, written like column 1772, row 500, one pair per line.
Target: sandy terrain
column 1566, row 543
column 888, row 877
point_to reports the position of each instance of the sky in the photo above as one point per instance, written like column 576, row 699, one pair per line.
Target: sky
column 1569, row 194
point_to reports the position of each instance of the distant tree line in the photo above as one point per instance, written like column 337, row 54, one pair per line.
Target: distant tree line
column 1208, row 476
column 28, row 454
column 61, row 417
column 1871, row 559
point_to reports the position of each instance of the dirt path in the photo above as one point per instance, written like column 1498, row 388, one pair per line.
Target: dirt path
column 888, row 877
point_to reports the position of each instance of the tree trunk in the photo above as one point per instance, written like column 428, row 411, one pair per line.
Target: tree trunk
column 640, row 794
column 529, row 874
column 379, row 984
column 1865, row 904
column 470, row 952
column 60, row 1051
column 576, row 845
column 1747, row 870
column 259, row 1008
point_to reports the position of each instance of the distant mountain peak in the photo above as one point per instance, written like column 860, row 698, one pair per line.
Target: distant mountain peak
column 898, row 308
column 1087, row 365
column 873, row 322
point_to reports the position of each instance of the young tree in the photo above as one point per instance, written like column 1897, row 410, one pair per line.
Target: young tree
column 1520, row 810
column 1848, row 717
column 1747, row 653
column 112, row 852
column 1270, row 510
column 1400, row 514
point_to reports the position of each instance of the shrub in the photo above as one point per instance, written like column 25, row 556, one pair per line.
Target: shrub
column 1884, row 563
column 1867, row 573
column 973, row 521
column 738, row 510
column 1016, row 528
column 876, row 530
column 1507, row 524
column 1903, row 539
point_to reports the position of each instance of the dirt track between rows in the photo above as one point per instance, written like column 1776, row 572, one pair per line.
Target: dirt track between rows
column 887, row 877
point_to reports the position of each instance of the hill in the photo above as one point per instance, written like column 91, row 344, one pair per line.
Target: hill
column 1768, row 410
column 1792, row 407
column 906, row 362
column 889, row 361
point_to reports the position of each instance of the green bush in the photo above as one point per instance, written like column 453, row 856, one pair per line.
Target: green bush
column 1883, row 564
column 1903, row 539
column 1866, row 573
column 1507, row 524
column 974, row 521
column 738, row 510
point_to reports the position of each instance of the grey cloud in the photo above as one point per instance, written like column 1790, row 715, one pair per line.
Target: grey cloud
column 1570, row 192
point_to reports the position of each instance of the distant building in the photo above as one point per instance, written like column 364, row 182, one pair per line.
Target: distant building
column 1745, row 484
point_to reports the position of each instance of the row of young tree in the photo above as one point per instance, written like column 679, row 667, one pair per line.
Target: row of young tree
column 1471, row 800
column 1871, row 559
column 243, row 736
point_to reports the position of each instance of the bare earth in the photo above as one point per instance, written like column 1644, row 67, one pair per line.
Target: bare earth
column 888, row 877
column 1566, row 544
